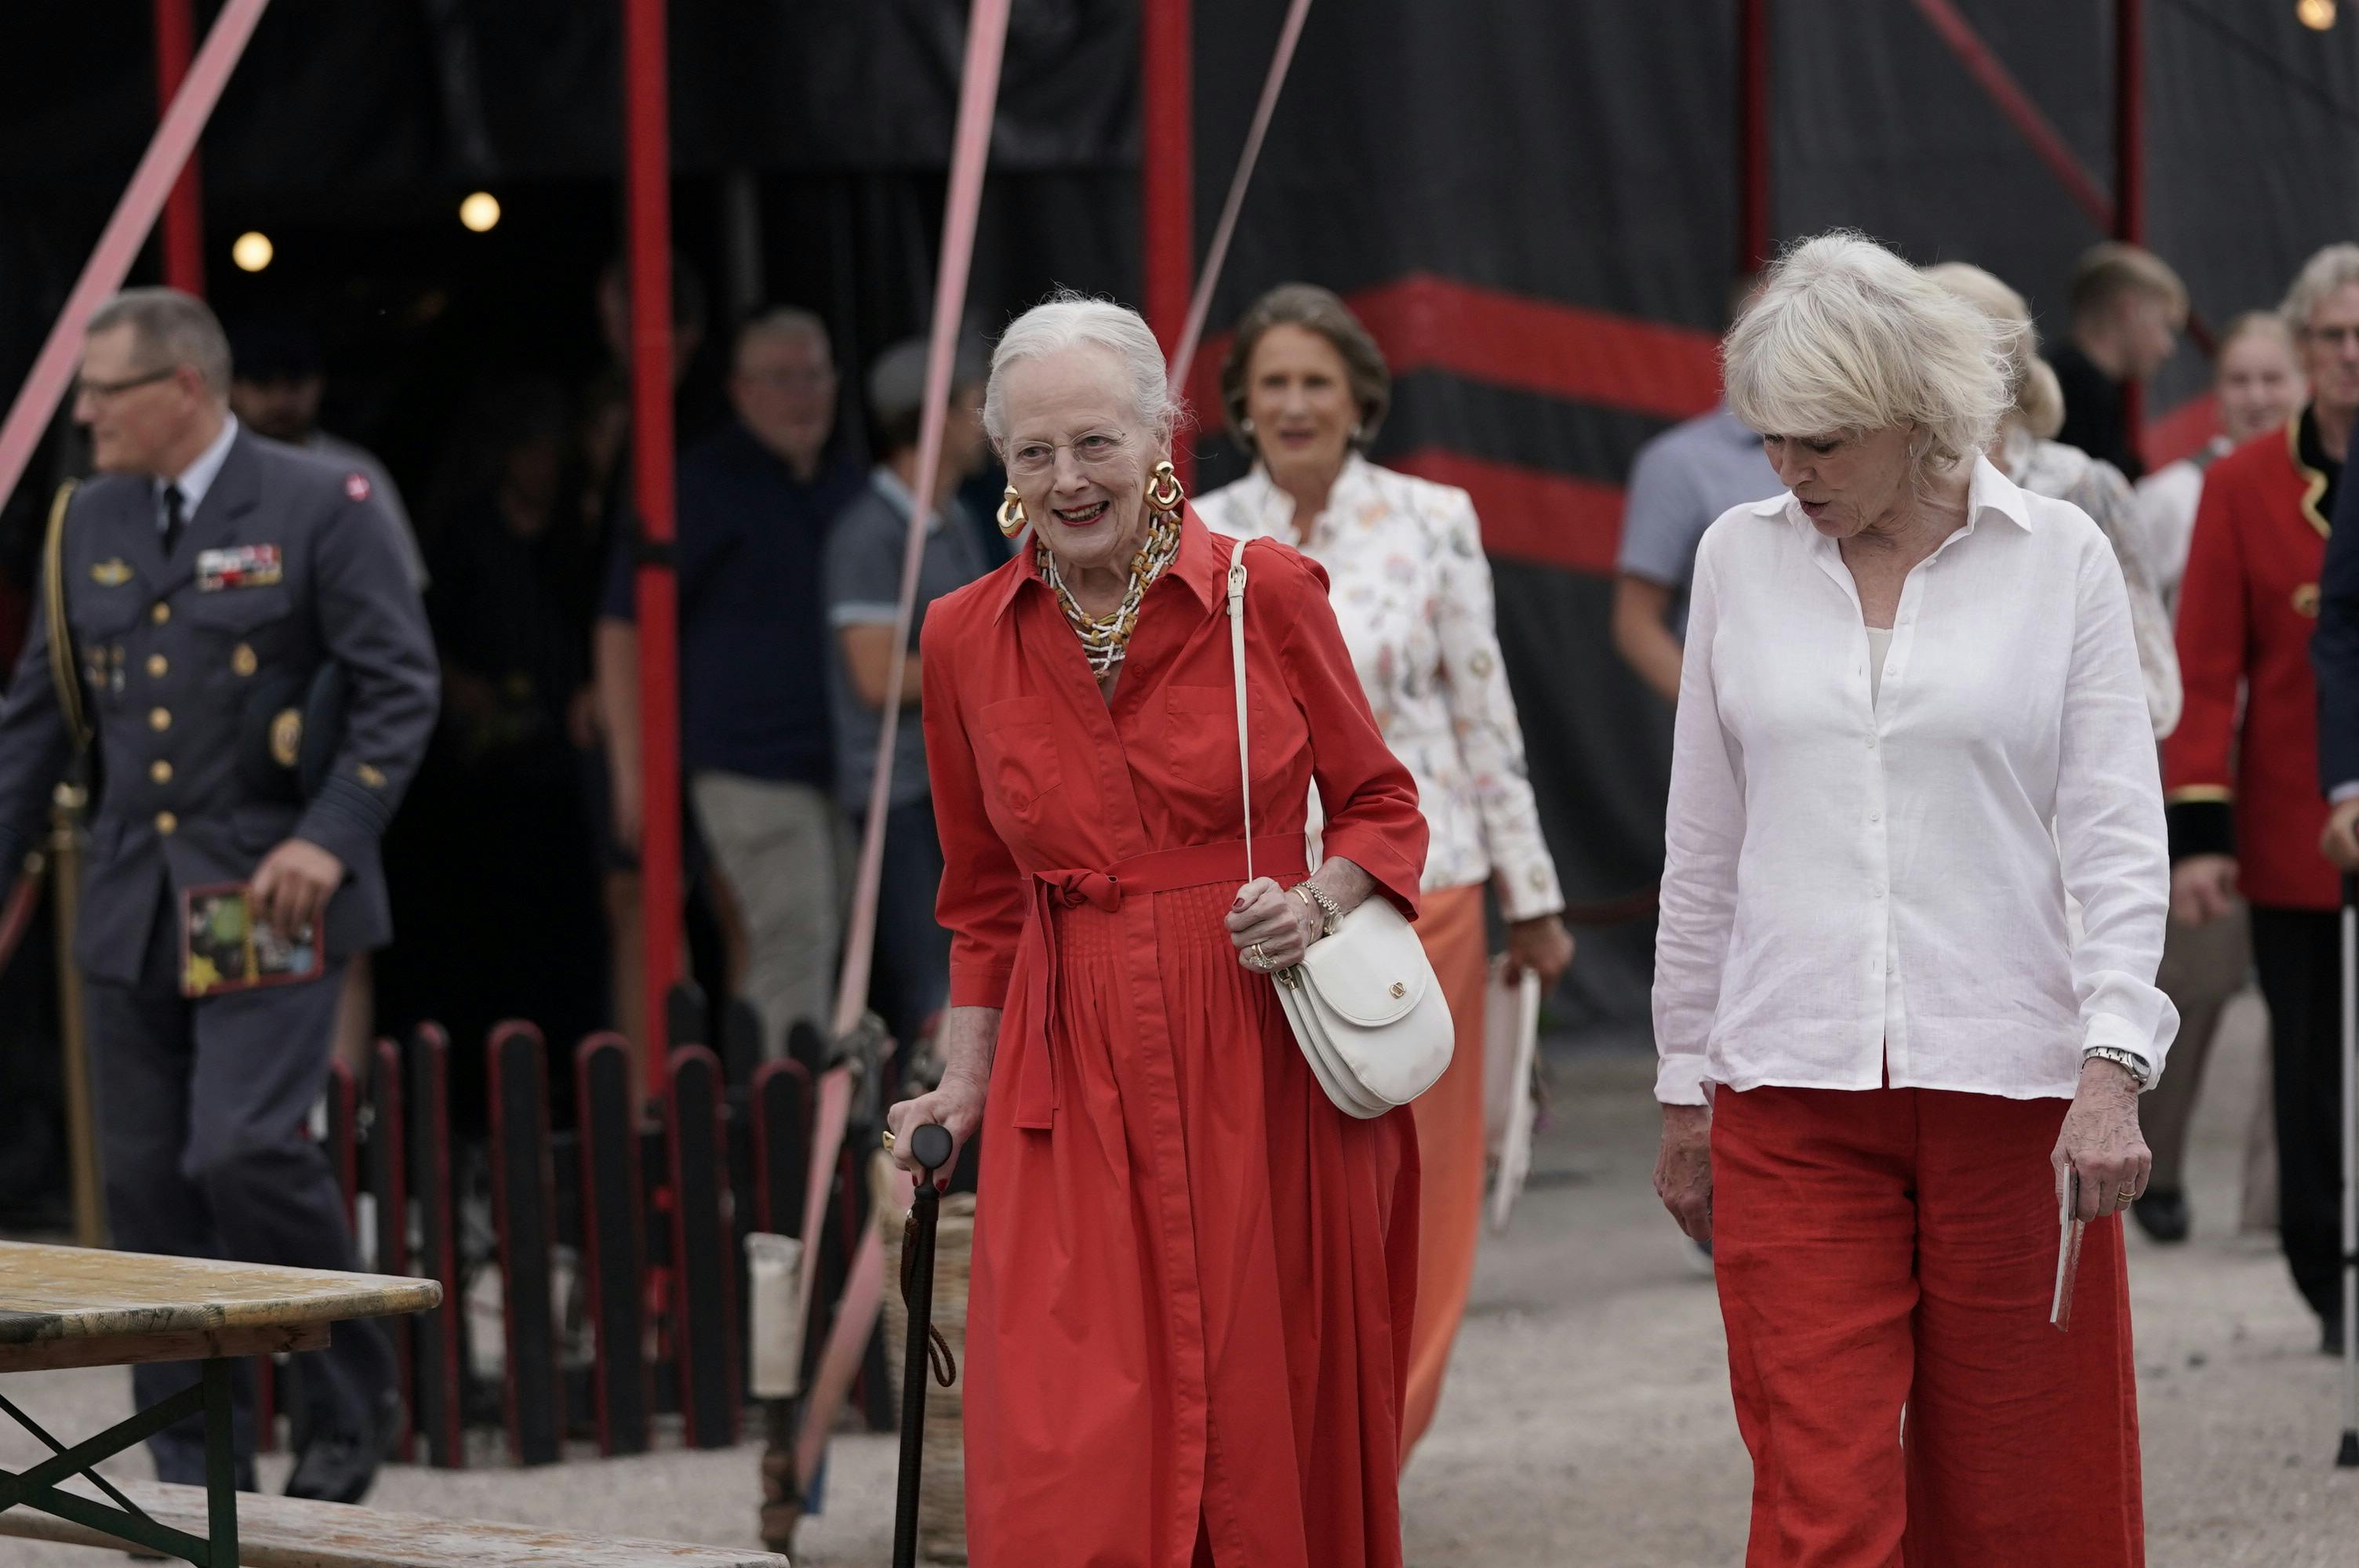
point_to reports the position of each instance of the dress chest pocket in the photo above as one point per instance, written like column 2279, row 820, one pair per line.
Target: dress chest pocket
column 1015, row 754
column 1197, row 738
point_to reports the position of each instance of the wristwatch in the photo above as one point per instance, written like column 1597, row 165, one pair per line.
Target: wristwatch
column 2129, row 1061
column 1318, row 898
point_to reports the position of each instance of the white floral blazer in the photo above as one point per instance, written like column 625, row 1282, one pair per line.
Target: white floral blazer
column 1409, row 583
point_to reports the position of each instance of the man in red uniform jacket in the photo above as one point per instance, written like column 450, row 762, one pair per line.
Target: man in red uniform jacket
column 2244, row 805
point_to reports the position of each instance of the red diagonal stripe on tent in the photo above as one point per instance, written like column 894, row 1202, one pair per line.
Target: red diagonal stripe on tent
column 1530, row 514
column 1424, row 323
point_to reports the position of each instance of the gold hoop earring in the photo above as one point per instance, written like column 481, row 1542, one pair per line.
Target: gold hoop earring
column 1163, row 493
column 1012, row 520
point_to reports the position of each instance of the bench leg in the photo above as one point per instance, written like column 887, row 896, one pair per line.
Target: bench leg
column 220, row 1468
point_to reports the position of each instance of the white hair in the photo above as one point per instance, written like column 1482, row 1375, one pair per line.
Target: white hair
column 2321, row 276
column 1067, row 319
column 1846, row 336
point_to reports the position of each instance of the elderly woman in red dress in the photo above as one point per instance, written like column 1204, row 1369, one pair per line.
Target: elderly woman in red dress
column 1193, row 1275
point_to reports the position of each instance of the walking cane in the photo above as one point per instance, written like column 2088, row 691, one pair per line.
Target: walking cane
column 930, row 1146
column 2347, row 1457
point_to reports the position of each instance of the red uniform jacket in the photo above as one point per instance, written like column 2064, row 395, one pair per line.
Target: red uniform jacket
column 2247, row 785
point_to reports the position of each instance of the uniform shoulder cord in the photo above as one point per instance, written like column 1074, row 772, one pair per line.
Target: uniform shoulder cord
column 63, row 672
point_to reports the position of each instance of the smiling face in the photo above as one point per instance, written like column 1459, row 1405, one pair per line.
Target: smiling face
column 1298, row 397
column 1078, row 455
column 2260, row 384
column 1846, row 481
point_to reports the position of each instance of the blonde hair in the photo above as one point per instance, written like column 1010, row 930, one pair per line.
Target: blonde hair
column 2038, row 396
column 1069, row 319
column 2112, row 268
column 2321, row 276
column 1846, row 336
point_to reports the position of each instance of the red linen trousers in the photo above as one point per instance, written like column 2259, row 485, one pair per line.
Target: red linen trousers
column 1886, row 1259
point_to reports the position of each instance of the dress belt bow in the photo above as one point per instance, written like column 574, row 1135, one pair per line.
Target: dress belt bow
column 1164, row 871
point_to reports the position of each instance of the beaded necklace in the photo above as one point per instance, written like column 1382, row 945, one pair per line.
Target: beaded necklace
column 1105, row 640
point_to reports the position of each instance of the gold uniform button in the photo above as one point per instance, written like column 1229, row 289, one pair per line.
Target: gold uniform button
column 157, row 665
column 159, row 719
column 161, row 771
column 166, row 823
column 242, row 661
column 161, row 613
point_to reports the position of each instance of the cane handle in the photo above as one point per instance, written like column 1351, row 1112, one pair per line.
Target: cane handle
column 929, row 1146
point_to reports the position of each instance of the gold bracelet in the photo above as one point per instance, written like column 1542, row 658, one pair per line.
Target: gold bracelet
column 1317, row 899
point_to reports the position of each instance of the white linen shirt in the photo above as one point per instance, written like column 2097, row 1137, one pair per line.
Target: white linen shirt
column 1412, row 592
column 1858, row 892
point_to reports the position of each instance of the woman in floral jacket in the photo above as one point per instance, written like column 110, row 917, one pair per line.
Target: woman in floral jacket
column 1304, row 388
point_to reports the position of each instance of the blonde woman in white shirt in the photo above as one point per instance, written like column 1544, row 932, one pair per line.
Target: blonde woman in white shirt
column 1912, row 721
column 1305, row 387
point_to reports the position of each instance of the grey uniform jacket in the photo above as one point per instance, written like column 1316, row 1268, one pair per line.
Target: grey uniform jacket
column 188, row 668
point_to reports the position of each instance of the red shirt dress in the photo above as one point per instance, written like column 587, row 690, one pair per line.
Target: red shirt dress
column 1193, row 1275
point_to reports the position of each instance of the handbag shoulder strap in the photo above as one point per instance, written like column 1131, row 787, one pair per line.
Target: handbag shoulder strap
column 1237, row 664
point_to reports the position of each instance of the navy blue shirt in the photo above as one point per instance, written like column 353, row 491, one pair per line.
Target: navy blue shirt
column 753, row 608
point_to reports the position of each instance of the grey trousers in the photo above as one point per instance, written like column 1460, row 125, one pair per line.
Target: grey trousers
column 781, row 847
column 2202, row 967
column 202, row 1114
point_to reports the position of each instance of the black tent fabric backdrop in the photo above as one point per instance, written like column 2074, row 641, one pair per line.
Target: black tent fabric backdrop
column 1535, row 201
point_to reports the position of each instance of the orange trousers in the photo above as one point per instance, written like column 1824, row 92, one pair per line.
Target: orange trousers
column 1449, row 1152
column 1885, row 1261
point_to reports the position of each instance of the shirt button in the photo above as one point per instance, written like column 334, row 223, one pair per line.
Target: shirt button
column 159, row 719
column 167, row 823
column 157, row 665
column 1875, row 816
column 161, row 613
column 1871, row 743
column 1879, row 892
column 160, row 770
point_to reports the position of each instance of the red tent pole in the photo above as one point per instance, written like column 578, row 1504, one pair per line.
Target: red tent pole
column 1752, row 135
column 648, row 185
column 184, row 219
column 2129, row 164
column 1167, row 170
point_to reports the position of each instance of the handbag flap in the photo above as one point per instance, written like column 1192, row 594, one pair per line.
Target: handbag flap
column 1372, row 970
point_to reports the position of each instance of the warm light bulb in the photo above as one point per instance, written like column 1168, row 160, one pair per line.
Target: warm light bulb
column 480, row 211
column 2318, row 13
column 253, row 251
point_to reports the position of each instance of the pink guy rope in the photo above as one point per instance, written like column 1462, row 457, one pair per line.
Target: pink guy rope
column 970, row 149
column 125, row 232
column 1183, row 357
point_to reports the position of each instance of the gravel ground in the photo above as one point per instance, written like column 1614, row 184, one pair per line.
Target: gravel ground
column 1587, row 1420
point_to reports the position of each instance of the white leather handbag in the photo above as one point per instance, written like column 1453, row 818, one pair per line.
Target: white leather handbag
column 1364, row 1003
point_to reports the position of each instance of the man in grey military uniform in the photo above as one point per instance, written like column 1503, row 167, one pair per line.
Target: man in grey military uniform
column 209, row 576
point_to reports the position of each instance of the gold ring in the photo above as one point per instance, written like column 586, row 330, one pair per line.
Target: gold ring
column 888, row 1140
column 1259, row 957
column 2129, row 1193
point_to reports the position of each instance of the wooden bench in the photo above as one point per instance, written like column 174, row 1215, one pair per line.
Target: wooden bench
column 291, row 1532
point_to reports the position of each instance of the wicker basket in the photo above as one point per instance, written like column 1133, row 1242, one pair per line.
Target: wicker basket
column 942, row 1494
